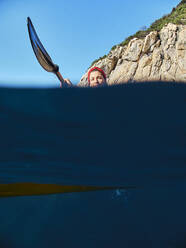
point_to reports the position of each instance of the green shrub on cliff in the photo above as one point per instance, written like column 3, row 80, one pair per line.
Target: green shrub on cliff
column 177, row 16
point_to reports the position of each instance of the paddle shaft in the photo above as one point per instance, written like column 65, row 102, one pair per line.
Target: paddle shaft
column 58, row 74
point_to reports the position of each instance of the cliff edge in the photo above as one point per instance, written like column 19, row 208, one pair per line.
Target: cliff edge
column 159, row 56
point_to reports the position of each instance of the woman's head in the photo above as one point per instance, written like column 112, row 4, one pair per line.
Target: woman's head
column 96, row 77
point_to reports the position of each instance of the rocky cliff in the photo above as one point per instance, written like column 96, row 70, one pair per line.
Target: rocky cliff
column 159, row 56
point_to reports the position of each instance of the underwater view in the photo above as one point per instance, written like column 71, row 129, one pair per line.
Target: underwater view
column 93, row 167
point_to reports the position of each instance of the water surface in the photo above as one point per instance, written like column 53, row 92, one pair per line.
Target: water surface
column 130, row 137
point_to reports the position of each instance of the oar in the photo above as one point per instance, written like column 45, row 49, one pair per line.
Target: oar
column 41, row 54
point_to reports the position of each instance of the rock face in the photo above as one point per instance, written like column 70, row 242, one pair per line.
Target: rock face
column 159, row 56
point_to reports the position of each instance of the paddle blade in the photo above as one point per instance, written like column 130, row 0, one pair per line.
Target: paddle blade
column 41, row 54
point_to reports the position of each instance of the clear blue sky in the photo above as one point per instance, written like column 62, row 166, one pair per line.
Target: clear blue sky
column 73, row 32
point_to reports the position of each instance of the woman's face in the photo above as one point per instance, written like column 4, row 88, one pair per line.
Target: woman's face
column 96, row 79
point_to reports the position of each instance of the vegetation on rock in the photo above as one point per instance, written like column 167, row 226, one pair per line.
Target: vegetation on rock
column 177, row 16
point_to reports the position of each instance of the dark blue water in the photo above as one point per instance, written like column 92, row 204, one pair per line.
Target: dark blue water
column 131, row 136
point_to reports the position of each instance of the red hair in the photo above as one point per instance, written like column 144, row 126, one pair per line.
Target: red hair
column 96, row 69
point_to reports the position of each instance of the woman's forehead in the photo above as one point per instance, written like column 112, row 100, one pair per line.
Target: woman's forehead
column 95, row 73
